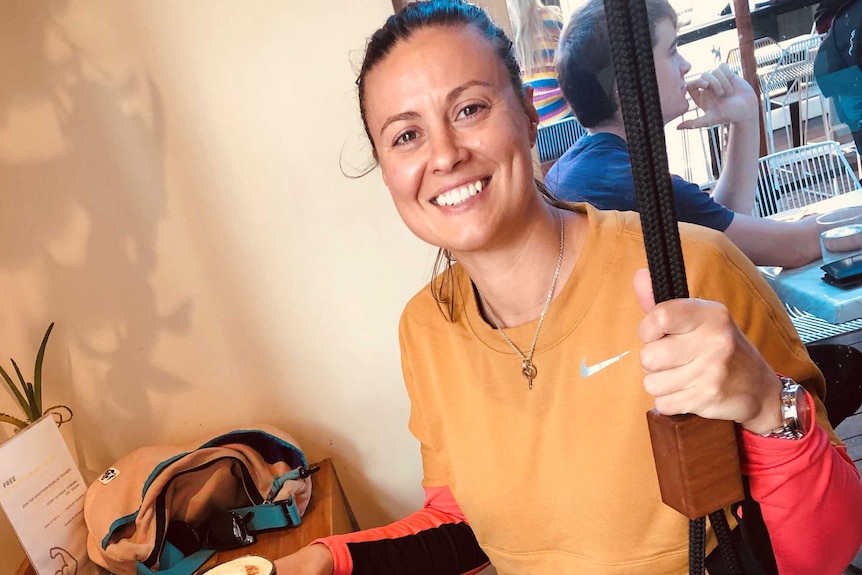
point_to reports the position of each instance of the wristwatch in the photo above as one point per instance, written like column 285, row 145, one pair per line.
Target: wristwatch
column 795, row 411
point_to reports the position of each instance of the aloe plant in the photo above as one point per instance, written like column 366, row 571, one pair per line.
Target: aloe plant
column 29, row 396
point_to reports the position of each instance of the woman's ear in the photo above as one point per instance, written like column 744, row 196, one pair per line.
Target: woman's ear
column 532, row 114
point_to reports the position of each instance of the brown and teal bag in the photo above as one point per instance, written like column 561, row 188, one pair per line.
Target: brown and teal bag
column 168, row 508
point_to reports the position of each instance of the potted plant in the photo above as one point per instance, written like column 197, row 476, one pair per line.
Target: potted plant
column 29, row 396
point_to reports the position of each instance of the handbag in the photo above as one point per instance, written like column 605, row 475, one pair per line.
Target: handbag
column 168, row 508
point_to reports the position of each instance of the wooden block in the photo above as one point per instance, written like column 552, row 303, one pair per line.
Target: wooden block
column 697, row 462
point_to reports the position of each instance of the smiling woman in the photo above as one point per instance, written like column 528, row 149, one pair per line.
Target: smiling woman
column 540, row 369
column 426, row 119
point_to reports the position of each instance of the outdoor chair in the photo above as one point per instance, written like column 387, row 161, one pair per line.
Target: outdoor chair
column 554, row 139
column 766, row 54
column 800, row 176
column 704, row 149
column 788, row 86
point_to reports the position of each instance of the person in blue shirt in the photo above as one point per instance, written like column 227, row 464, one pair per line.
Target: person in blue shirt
column 597, row 168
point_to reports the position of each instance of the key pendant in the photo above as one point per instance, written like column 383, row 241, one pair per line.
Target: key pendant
column 528, row 370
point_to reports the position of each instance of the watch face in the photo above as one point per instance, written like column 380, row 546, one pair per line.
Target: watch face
column 803, row 409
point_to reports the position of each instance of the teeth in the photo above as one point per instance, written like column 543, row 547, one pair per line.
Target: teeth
column 456, row 196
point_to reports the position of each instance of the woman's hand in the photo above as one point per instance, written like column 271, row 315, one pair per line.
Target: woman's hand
column 310, row 560
column 698, row 361
column 724, row 98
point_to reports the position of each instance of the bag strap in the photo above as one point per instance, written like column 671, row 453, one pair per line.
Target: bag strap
column 273, row 514
column 172, row 562
column 184, row 546
column 268, row 516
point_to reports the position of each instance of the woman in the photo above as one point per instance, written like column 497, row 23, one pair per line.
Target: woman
column 531, row 362
column 536, row 29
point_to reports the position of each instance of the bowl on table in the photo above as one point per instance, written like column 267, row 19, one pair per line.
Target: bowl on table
column 841, row 233
column 842, row 239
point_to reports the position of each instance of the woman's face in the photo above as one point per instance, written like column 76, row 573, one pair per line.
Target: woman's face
column 452, row 138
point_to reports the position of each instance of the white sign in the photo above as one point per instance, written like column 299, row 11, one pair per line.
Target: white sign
column 42, row 493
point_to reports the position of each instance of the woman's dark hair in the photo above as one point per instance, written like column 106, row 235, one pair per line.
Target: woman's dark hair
column 418, row 15
column 584, row 62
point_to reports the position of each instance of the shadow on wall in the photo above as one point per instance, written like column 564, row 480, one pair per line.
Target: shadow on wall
column 82, row 193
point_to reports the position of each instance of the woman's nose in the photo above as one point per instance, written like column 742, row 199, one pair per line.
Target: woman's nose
column 446, row 150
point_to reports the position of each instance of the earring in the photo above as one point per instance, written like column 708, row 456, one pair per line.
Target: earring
column 443, row 284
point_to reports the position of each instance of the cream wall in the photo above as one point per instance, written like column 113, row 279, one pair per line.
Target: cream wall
column 170, row 196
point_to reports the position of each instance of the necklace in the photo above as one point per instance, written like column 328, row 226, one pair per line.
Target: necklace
column 528, row 369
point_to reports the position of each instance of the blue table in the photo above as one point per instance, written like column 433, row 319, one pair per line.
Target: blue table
column 802, row 287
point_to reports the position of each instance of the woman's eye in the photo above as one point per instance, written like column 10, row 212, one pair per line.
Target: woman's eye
column 405, row 137
column 470, row 110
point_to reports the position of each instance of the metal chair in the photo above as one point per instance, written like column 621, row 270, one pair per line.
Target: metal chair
column 710, row 142
column 766, row 54
column 554, row 139
column 801, row 176
column 788, row 86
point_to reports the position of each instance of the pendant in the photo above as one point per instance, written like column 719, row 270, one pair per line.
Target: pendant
column 529, row 371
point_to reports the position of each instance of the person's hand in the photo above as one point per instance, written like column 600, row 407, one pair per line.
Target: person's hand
column 311, row 560
column 723, row 97
column 698, row 361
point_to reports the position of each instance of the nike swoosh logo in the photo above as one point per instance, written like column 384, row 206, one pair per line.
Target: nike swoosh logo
column 590, row 370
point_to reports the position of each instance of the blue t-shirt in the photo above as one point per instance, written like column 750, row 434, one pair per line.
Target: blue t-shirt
column 597, row 170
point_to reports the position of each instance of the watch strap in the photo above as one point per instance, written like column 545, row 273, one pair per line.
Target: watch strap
column 790, row 428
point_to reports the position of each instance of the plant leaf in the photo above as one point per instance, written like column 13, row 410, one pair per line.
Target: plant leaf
column 6, row 418
column 22, row 401
column 20, row 375
column 37, row 370
column 28, row 389
column 28, row 393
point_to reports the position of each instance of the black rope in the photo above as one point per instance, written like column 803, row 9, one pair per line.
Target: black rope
column 725, row 547
column 631, row 48
column 697, row 546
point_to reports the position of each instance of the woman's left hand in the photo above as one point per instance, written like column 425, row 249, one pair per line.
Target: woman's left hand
column 698, row 361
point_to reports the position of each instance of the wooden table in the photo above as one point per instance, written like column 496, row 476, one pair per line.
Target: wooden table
column 328, row 513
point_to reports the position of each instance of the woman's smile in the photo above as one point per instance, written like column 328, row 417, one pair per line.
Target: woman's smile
column 460, row 194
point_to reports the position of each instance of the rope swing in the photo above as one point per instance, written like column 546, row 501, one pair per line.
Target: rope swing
column 697, row 460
